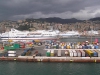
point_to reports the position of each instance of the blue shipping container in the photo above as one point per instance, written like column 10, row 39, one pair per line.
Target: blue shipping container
column 95, row 54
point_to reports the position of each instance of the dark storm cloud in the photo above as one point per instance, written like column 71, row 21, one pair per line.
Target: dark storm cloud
column 21, row 9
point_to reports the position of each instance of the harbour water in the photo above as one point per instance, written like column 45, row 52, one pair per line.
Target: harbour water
column 81, row 39
column 40, row 68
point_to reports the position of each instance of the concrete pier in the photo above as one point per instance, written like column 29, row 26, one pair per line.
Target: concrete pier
column 52, row 59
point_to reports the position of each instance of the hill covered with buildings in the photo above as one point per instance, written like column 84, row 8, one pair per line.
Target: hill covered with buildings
column 56, row 23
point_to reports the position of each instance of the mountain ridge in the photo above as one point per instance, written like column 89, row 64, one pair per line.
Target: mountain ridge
column 60, row 20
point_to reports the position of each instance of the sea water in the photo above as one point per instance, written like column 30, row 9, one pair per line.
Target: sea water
column 39, row 68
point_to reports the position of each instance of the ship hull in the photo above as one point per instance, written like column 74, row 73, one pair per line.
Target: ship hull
column 26, row 38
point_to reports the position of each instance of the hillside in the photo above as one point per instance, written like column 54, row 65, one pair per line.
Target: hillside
column 59, row 20
column 95, row 19
column 55, row 20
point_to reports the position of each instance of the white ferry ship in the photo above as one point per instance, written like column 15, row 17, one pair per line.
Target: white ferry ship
column 69, row 34
column 15, row 34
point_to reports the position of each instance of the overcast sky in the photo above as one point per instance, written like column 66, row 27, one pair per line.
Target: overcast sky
column 22, row 9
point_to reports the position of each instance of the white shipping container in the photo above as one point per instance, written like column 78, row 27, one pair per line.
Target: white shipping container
column 82, row 53
column 11, row 51
column 62, row 47
column 59, row 52
column 78, row 53
column 71, row 53
column 11, row 54
column 74, row 53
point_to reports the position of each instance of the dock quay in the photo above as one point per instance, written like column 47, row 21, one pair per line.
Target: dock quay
column 50, row 51
column 72, row 56
column 52, row 59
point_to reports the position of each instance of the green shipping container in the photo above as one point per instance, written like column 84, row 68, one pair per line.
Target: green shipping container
column 48, row 53
column 6, row 47
column 11, row 48
column 16, row 46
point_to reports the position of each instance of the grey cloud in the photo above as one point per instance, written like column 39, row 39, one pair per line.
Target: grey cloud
column 20, row 9
column 98, row 14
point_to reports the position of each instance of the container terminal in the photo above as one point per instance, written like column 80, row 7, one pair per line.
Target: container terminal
column 50, row 51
